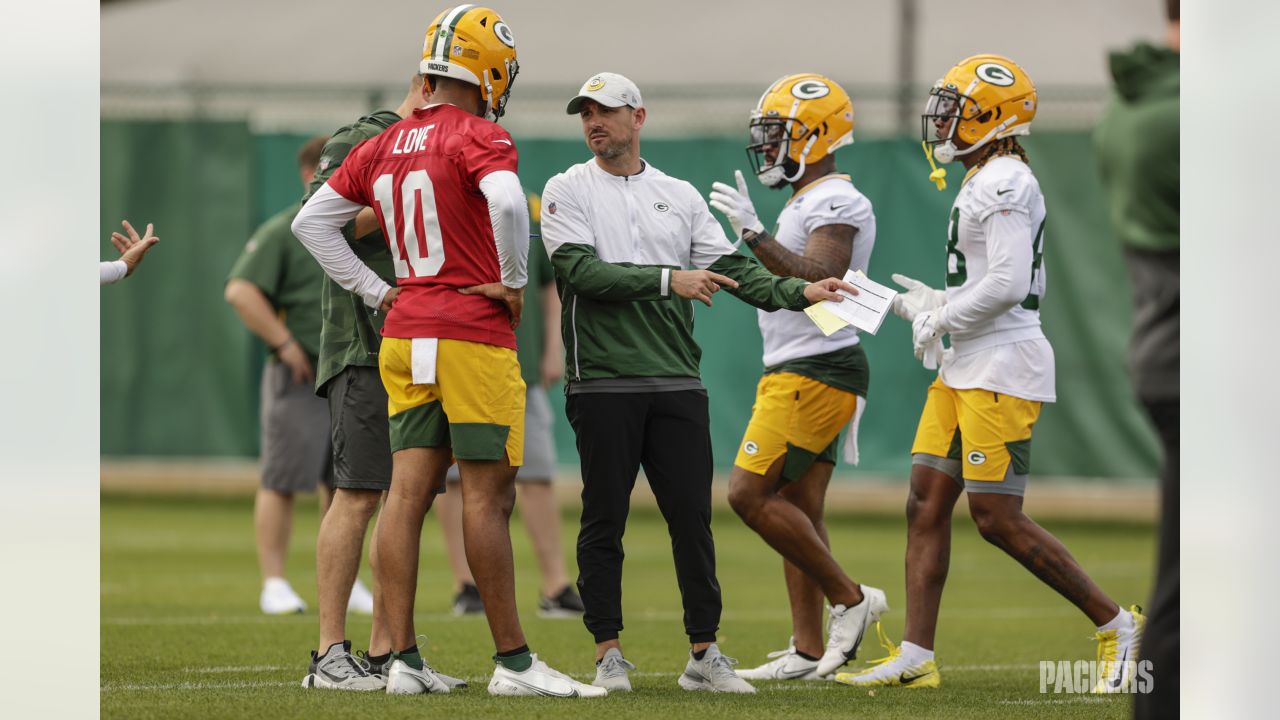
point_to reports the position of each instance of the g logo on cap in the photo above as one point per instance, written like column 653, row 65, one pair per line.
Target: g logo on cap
column 595, row 84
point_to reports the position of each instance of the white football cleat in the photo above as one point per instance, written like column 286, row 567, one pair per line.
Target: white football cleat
column 540, row 681
column 846, row 626
column 361, row 600
column 278, row 598
column 1118, row 655
column 405, row 680
column 787, row 665
column 713, row 673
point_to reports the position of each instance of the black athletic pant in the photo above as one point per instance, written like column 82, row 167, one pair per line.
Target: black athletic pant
column 1160, row 643
column 668, row 433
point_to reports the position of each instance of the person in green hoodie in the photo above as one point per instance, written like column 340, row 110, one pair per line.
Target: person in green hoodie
column 1137, row 148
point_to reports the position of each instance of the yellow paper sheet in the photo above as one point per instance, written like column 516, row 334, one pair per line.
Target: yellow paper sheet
column 827, row 321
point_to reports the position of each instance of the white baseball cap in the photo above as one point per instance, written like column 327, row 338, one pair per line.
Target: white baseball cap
column 608, row 89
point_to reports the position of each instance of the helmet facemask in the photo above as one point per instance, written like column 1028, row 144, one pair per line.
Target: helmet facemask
column 944, row 105
column 775, row 133
column 499, row 106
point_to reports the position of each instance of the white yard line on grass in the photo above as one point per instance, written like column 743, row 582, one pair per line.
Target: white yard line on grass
column 236, row 668
column 196, row 686
column 476, row 680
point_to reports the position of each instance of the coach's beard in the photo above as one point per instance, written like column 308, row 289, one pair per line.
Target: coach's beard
column 614, row 150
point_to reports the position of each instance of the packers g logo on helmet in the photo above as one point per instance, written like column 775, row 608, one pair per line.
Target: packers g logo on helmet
column 503, row 31
column 995, row 73
column 799, row 120
column 473, row 44
column 982, row 98
column 810, row 89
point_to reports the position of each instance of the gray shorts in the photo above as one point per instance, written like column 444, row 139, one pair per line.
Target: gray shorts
column 359, row 430
column 295, row 433
column 539, row 442
column 1013, row 483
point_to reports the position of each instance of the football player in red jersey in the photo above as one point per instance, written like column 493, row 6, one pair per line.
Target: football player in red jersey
column 444, row 187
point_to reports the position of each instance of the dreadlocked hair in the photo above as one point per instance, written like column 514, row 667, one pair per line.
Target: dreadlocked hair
column 1003, row 146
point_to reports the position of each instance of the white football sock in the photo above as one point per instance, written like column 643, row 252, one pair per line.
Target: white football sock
column 914, row 654
column 1122, row 621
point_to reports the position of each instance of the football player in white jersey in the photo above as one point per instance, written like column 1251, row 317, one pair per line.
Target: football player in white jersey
column 975, row 430
column 813, row 385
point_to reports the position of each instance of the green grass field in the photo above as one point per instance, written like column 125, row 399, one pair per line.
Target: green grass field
column 182, row 636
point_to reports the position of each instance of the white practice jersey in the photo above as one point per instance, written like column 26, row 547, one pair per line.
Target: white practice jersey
column 995, row 282
column 830, row 200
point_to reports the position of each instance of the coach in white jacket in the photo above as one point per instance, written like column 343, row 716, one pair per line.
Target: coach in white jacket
column 621, row 235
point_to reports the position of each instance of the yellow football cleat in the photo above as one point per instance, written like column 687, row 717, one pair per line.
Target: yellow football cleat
column 1118, row 655
column 893, row 670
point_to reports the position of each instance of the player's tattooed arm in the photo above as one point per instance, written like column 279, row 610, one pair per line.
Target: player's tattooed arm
column 826, row 254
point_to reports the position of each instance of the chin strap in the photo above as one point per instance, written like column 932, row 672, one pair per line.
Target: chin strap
column 939, row 175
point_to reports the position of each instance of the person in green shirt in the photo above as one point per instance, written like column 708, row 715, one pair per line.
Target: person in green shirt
column 632, row 247
column 274, row 287
column 1137, row 150
column 347, row 379
column 541, row 356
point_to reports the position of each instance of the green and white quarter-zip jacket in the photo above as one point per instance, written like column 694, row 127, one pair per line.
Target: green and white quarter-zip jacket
column 614, row 242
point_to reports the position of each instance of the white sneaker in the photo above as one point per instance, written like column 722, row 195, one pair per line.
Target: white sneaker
column 337, row 669
column 788, row 665
column 713, row 673
column 405, row 680
column 846, row 626
column 611, row 672
column 361, row 600
column 279, row 599
column 540, row 680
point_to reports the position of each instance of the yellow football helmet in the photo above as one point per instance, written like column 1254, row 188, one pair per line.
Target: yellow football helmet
column 987, row 96
column 799, row 120
column 473, row 44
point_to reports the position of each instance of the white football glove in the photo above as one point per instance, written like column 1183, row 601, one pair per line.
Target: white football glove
column 736, row 206
column 917, row 299
column 926, row 338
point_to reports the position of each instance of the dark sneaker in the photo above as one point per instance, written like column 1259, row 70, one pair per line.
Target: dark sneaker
column 565, row 604
column 468, row 602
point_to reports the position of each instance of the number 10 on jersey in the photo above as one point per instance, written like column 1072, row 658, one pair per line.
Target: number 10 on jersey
column 419, row 250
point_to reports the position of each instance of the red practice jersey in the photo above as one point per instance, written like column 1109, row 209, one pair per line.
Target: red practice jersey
column 422, row 178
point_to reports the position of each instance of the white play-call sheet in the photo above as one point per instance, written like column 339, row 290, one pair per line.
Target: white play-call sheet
column 865, row 311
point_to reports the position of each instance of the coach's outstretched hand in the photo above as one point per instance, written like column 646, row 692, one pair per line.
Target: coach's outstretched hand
column 699, row 285
column 132, row 248
column 826, row 290
column 513, row 298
